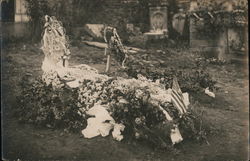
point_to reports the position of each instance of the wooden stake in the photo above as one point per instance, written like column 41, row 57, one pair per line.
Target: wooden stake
column 108, row 60
column 66, row 63
column 108, row 63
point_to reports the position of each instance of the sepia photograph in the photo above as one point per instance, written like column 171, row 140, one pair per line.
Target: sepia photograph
column 124, row 80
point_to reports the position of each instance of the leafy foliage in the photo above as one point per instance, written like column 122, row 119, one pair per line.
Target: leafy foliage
column 215, row 17
column 85, row 10
column 44, row 106
column 37, row 9
column 70, row 12
column 190, row 71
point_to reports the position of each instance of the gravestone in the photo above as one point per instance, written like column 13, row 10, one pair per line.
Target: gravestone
column 158, row 19
column 95, row 30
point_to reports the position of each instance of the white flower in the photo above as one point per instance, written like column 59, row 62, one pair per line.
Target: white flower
column 157, row 81
column 137, row 135
column 138, row 93
column 123, row 101
column 138, row 121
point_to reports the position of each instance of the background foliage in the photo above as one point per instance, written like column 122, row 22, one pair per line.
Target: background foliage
column 71, row 12
column 216, row 16
column 76, row 13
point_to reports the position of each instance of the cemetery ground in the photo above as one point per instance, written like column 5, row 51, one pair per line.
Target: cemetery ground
column 227, row 113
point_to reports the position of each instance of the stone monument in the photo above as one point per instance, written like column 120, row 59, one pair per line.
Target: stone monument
column 158, row 19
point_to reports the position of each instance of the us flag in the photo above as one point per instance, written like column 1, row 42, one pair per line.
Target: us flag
column 177, row 97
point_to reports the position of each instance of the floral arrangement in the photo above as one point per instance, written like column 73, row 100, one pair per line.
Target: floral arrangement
column 138, row 104
column 55, row 44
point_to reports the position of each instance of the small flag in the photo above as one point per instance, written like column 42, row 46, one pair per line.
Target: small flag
column 177, row 97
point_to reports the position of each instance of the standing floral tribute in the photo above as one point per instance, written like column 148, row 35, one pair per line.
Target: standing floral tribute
column 115, row 47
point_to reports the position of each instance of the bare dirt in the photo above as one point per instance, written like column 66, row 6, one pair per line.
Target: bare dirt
column 228, row 113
